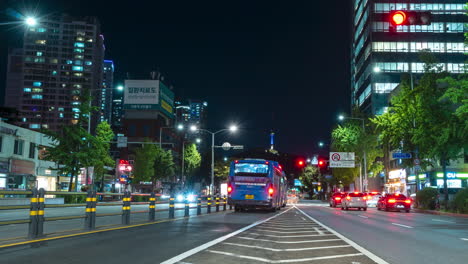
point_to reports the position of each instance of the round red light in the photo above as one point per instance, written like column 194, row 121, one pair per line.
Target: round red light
column 300, row 163
column 399, row 17
column 229, row 189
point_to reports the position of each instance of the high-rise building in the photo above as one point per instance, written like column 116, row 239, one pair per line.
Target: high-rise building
column 107, row 91
column 62, row 56
column 198, row 113
column 117, row 110
column 14, row 78
column 382, row 53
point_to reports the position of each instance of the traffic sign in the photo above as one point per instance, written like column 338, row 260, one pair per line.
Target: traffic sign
column 314, row 160
column 342, row 160
column 121, row 142
column 401, row 155
column 417, row 161
column 226, row 146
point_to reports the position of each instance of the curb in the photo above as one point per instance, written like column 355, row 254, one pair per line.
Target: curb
column 433, row 212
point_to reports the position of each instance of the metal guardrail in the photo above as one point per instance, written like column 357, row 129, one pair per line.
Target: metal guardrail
column 37, row 213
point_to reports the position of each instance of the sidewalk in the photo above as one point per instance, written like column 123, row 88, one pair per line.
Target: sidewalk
column 434, row 212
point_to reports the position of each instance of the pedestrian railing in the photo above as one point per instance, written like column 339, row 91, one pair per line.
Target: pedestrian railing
column 37, row 215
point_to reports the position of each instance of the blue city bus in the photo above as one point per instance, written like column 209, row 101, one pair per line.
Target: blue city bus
column 257, row 183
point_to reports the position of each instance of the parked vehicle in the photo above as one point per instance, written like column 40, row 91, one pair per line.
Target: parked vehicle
column 394, row 201
column 354, row 200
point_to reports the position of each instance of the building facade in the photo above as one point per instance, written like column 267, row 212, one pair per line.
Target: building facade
column 381, row 53
column 21, row 163
column 62, row 57
column 107, row 91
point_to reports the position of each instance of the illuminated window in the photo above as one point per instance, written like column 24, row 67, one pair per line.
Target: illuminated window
column 78, row 50
column 78, row 62
column 37, row 90
column 69, row 61
column 39, row 53
column 88, row 63
column 77, row 68
column 53, row 60
column 75, row 110
column 78, row 74
column 41, row 41
column 41, row 30
column 79, row 45
column 78, row 56
column 80, row 39
column 27, row 90
column 39, row 59
column 61, row 109
column 37, row 84
column 61, row 115
column 89, row 40
column 54, row 72
column 36, row 96
column 34, row 126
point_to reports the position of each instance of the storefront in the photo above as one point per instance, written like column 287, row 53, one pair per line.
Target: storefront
column 396, row 182
column 455, row 180
column 424, row 181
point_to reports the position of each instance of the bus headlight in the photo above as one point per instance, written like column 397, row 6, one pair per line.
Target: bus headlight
column 190, row 198
column 180, row 198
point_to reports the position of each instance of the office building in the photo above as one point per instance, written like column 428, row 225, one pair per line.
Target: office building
column 62, row 56
column 107, row 91
column 381, row 53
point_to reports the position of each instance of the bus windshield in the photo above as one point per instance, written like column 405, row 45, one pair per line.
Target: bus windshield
column 251, row 169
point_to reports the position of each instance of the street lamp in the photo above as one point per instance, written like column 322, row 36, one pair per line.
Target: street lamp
column 180, row 127
column 342, row 117
column 193, row 128
column 30, row 21
column 120, row 88
column 232, row 128
column 321, row 144
column 198, row 140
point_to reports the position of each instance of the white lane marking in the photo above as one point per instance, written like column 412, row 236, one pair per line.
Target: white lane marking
column 466, row 239
column 402, row 225
column 255, row 234
column 445, row 221
column 347, row 240
column 284, row 260
column 287, row 249
column 288, row 232
column 291, row 242
column 303, row 218
column 319, row 231
column 285, row 229
column 363, row 216
column 218, row 240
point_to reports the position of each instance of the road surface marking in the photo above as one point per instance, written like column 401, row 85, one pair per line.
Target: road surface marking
column 287, row 249
column 285, row 260
column 303, row 218
column 445, row 221
column 290, row 242
column 288, row 232
column 218, row 240
column 256, row 234
column 363, row 216
column 319, row 231
column 347, row 240
column 466, row 239
column 402, row 225
column 285, row 229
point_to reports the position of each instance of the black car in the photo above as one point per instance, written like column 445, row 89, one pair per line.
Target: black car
column 394, row 201
column 335, row 199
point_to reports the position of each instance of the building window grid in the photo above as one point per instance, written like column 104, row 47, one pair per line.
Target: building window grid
column 439, row 47
column 435, row 27
column 417, row 67
column 18, row 147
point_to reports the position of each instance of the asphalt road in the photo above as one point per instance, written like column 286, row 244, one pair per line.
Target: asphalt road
column 310, row 233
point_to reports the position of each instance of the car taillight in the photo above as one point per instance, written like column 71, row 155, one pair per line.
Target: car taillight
column 408, row 201
column 271, row 191
column 348, row 198
column 364, row 198
column 369, row 197
column 337, row 198
column 391, row 200
column 229, row 189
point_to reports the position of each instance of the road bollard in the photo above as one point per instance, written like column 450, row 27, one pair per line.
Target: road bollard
column 208, row 205
column 33, row 214
column 199, row 206
column 224, row 203
column 93, row 210
column 152, row 207
column 217, row 203
column 89, row 210
column 187, row 208
column 40, row 213
column 171, row 207
column 126, row 208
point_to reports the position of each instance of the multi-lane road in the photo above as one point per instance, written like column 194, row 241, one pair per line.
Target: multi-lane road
column 304, row 233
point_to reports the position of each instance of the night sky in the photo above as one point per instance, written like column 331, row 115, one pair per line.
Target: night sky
column 281, row 65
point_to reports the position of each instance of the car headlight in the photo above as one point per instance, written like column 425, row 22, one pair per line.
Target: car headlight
column 180, row 198
column 190, row 198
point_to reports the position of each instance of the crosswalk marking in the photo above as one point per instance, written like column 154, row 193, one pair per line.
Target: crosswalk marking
column 286, row 249
column 290, row 242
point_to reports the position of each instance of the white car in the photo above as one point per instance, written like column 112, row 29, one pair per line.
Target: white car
column 372, row 199
column 354, row 200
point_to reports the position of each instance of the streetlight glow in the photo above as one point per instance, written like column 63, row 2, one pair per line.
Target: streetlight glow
column 193, row 128
column 180, row 127
column 377, row 69
column 30, row 21
column 341, row 117
column 233, row 128
column 120, row 88
column 320, row 144
column 198, row 140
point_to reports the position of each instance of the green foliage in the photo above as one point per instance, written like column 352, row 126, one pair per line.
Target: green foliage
column 104, row 134
column 221, row 169
column 138, row 198
column 73, row 198
column 163, row 165
column 144, row 162
column 460, row 202
column 192, row 159
column 426, row 198
column 308, row 175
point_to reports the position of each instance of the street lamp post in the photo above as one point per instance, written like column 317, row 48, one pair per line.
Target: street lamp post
column 341, row 117
column 232, row 129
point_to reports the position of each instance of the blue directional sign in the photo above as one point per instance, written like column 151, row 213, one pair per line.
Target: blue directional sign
column 297, row 182
column 398, row 155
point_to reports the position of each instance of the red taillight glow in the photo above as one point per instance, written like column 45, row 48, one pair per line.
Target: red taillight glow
column 408, row 201
column 369, row 197
column 348, row 198
column 364, row 198
column 229, row 189
column 356, row 192
column 374, row 192
column 391, row 200
column 337, row 198
column 271, row 191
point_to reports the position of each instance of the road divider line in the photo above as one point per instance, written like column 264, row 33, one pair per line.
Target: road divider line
column 466, row 239
column 364, row 251
column 402, row 225
column 285, row 260
column 287, row 232
column 218, row 240
column 256, row 234
column 363, row 216
column 445, row 221
column 285, row 229
column 291, row 242
column 287, row 249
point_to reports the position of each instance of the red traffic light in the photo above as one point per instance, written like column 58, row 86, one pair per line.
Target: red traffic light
column 321, row 163
column 398, row 18
column 300, row 163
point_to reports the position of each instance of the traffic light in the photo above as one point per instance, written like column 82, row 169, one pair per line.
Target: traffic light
column 300, row 163
column 404, row 18
column 321, row 163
